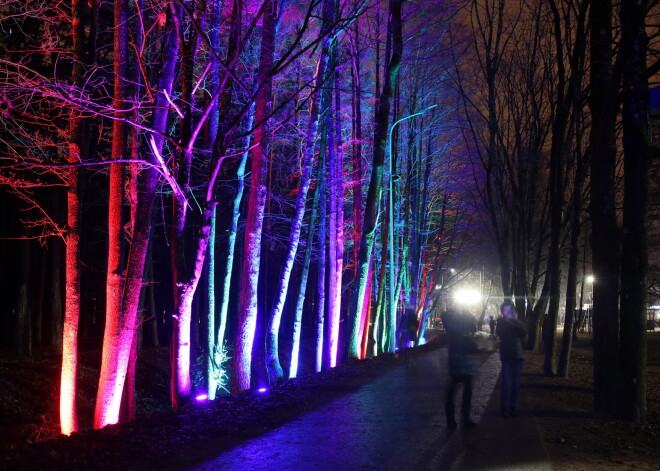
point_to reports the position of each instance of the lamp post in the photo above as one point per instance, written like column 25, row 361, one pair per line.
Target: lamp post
column 590, row 279
column 391, row 222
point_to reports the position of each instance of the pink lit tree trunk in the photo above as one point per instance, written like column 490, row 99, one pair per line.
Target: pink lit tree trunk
column 242, row 361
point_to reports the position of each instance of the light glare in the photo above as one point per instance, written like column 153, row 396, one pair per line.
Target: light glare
column 468, row 296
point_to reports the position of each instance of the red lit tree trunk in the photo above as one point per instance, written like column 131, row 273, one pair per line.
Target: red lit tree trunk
column 242, row 361
column 68, row 386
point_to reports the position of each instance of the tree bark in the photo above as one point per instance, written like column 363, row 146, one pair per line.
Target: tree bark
column 247, row 317
column 634, row 257
column 605, row 237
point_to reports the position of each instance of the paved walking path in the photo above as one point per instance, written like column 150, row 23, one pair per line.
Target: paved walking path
column 397, row 423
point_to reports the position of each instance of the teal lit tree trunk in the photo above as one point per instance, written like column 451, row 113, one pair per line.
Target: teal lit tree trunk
column 216, row 336
column 376, row 181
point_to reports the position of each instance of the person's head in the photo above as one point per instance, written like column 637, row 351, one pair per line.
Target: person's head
column 508, row 310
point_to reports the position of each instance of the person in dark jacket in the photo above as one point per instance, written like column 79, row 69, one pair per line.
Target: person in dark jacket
column 512, row 333
column 461, row 364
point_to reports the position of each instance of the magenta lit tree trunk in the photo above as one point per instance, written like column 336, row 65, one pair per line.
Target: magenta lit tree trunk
column 124, row 327
column 376, row 181
column 114, row 360
column 335, row 229
column 247, row 316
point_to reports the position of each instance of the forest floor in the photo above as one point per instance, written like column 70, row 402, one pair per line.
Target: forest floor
column 574, row 438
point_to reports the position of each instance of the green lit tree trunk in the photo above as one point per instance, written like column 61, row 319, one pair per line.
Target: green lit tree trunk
column 376, row 181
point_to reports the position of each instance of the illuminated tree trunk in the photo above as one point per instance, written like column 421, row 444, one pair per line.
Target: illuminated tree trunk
column 275, row 372
column 336, row 223
column 68, row 385
column 123, row 329
column 304, row 276
column 242, row 361
column 113, row 363
column 357, row 147
column 217, row 337
column 376, row 181
column 321, row 355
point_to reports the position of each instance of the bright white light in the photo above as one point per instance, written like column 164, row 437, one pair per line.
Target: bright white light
column 589, row 279
column 201, row 397
column 262, row 390
column 467, row 296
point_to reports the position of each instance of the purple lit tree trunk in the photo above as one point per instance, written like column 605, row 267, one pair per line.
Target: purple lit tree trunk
column 376, row 181
column 242, row 360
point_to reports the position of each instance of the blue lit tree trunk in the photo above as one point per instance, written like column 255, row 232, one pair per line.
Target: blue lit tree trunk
column 376, row 181
column 242, row 360
column 275, row 373
column 304, row 276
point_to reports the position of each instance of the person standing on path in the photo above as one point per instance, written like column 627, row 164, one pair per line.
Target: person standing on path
column 512, row 333
column 462, row 366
